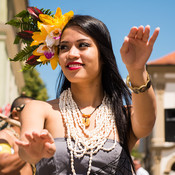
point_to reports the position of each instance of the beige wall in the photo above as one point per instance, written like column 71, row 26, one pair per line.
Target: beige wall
column 11, row 79
column 162, row 153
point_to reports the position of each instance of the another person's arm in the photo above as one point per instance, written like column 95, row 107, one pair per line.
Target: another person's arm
column 10, row 163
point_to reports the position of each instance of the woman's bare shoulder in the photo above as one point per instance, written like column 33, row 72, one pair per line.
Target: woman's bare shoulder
column 54, row 104
column 39, row 114
column 41, row 108
column 45, row 105
column 53, row 107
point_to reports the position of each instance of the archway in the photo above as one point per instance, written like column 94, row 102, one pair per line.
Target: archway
column 170, row 167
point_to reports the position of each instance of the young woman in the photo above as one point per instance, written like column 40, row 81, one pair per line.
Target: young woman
column 88, row 129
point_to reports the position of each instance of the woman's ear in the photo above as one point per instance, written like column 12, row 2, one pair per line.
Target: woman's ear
column 15, row 115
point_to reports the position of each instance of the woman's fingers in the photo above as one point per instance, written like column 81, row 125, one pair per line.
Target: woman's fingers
column 125, row 46
column 154, row 36
column 37, row 137
column 49, row 150
column 143, row 34
column 46, row 135
column 139, row 33
column 133, row 32
column 29, row 137
column 22, row 143
column 136, row 33
column 38, row 144
column 146, row 33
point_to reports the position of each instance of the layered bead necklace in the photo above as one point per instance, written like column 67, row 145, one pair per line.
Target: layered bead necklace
column 80, row 141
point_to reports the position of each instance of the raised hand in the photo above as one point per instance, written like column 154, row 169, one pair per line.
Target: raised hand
column 37, row 146
column 137, row 47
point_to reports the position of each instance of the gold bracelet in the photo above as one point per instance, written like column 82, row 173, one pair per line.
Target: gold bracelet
column 33, row 169
column 140, row 89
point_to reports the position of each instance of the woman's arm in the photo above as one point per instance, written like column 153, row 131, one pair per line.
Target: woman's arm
column 36, row 142
column 136, row 50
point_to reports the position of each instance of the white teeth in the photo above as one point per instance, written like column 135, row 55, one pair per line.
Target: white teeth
column 74, row 65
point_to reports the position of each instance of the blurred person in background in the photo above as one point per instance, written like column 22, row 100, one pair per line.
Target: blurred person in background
column 138, row 168
column 10, row 162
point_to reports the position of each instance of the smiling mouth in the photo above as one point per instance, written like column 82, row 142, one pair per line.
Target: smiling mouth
column 74, row 66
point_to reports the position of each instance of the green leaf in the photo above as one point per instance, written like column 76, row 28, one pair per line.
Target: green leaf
column 25, row 22
column 27, row 67
column 26, row 42
column 26, row 19
column 47, row 11
column 17, row 39
column 22, row 13
column 14, row 22
column 24, row 54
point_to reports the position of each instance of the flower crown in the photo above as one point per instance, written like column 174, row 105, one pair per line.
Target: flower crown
column 40, row 32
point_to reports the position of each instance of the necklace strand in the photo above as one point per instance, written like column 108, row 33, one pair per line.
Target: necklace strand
column 14, row 132
column 80, row 141
column 86, row 117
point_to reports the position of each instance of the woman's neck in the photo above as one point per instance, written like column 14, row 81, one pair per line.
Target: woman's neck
column 87, row 95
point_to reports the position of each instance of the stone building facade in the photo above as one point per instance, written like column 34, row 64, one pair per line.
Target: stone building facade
column 160, row 146
column 11, row 79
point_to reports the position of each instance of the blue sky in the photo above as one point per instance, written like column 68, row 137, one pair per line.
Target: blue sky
column 119, row 16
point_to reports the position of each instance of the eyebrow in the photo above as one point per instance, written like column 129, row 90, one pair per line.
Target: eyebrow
column 80, row 40
column 83, row 40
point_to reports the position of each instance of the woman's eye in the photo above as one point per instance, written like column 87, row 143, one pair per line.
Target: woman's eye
column 63, row 47
column 84, row 45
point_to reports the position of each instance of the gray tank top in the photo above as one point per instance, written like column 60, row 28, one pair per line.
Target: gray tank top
column 114, row 162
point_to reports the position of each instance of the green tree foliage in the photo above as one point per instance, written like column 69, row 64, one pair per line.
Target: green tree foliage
column 34, row 86
column 135, row 153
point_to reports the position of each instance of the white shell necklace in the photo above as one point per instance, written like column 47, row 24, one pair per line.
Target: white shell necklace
column 80, row 141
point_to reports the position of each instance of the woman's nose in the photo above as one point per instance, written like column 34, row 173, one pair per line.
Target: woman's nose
column 73, row 53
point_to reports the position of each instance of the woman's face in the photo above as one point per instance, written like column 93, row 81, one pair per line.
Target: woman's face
column 79, row 56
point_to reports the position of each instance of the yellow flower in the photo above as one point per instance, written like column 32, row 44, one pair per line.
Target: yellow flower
column 58, row 20
column 47, row 55
column 49, row 35
column 39, row 37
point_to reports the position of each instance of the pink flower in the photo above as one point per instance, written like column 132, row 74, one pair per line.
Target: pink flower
column 34, row 12
column 49, row 54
